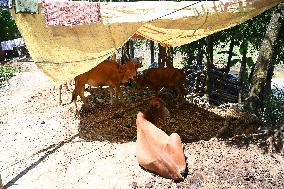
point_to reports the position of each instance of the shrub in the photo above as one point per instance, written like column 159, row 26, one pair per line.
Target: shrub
column 6, row 72
column 273, row 108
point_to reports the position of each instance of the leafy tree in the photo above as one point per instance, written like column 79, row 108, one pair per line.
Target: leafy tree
column 246, row 37
column 259, row 78
column 8, row 29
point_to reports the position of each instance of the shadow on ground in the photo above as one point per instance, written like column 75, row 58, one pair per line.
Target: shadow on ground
column 116, row 123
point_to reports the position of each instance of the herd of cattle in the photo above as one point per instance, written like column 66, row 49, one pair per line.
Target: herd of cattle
column 155, row 150
column 112, row 74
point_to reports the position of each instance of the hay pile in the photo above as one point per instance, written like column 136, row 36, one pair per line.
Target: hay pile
column 116, row 123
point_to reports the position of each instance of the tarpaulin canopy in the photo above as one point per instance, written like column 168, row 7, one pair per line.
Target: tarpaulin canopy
column 63, row 52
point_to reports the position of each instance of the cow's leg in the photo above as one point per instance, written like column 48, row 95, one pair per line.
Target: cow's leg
column 118, row 92
column 157, row 90
column 177, row 90
column 111, row 91
column 79, row 90
column 180, row 92
column 81, row 94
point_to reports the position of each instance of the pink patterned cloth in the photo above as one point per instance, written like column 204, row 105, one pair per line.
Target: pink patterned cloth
column 68, row 13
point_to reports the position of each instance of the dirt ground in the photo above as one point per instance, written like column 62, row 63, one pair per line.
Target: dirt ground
column 43, row 145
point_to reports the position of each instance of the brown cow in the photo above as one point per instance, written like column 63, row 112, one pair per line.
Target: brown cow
column 156, row 109
column 107, row 73
column 156, row 78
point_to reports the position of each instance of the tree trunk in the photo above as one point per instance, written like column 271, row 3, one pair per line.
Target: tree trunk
column 255, row 98
column 251, row 74
column 131, row 48
column 267, row 86
column 113, row 56
column 230, row 53
column 209, row 66
column 210, row 47
column 169, row 58
column 125, row 52
column 243, row 70
column 200, row 54
column 162, row 56
column 152, row 49
column 200, row 84
column 159, row 55
column 165, row 56
column 190, row 56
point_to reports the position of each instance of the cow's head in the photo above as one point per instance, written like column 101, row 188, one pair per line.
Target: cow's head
column 157, row 109
column 138, row 60
column 129, row 70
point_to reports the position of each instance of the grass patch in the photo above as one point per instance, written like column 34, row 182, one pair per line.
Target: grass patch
column 6, row 73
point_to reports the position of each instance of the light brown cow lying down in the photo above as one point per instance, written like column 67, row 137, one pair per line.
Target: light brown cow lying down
column 107, row 73
column 158, row 152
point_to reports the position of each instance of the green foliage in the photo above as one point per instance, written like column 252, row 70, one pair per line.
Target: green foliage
column 245, row 76
column 279, row 50
column 194, row 48
column 250, row 33
column 6, row 72
column 273, row 108
column 234, row 61
column 243, row 48
column 250, row 62
column 8, row 29
column 139, row 42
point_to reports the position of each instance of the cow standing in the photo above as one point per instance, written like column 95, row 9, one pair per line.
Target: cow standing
column 107, row 73
column 156, row 78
